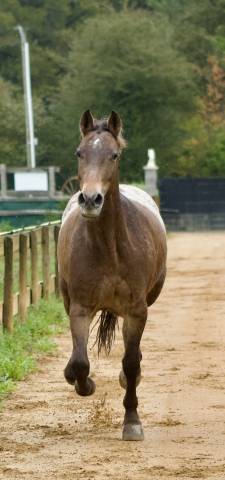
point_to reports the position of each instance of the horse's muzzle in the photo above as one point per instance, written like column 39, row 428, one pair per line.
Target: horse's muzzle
column 90, row 205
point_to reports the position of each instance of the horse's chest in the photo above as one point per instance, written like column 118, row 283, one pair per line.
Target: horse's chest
column 105, row 277
column 104, row 291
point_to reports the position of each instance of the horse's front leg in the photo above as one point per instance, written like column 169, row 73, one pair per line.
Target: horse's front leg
column 130, row 376
column 78, row 367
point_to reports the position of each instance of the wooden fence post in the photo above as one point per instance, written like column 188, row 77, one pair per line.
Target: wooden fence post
column 8, row 285
column 56, row 236
column 22, row 276
column 34, row 266
column 45, row 261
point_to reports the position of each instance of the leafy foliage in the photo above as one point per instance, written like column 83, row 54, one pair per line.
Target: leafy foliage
column 160, row 63
column 12, row 129
column 149, row 78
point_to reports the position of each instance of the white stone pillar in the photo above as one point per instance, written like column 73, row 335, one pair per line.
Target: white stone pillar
column 151, row 175
column 3, row 176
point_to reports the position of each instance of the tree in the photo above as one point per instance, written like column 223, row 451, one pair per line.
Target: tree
column 204, row 152
column 149, row 59
column 12, row 125
column 115, row 65
column 12, row 129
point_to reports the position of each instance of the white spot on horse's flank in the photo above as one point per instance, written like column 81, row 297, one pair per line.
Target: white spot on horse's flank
column 137, row 195
column 130, row 192
column 72, row 205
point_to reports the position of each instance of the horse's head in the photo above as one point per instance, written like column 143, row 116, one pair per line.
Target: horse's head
column 98, row 155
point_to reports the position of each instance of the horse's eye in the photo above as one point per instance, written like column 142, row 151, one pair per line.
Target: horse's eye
column 115, row 155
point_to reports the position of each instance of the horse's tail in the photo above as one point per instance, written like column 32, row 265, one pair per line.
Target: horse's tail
column 106, row 331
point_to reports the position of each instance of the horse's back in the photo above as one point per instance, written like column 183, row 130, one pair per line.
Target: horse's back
column 132, row 193
column 143, row 199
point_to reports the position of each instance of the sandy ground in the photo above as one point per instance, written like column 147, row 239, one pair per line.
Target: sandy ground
column 48, row 432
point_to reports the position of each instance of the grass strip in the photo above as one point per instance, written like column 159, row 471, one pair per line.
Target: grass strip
column 19, row 351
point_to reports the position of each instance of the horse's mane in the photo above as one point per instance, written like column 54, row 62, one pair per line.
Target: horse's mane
column 102, row 126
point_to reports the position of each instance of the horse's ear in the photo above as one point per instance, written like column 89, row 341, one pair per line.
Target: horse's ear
column 114, row 124
column 86, row 123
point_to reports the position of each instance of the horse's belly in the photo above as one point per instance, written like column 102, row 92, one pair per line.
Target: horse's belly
column 112, row 293
column 114, row 296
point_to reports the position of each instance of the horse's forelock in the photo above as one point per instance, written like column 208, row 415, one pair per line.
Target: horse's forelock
column 102, row 126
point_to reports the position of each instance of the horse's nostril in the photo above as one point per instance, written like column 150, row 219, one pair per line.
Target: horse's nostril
column 81, row 199
column 98, row 199
column 89, row 201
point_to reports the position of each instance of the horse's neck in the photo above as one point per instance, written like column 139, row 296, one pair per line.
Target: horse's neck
column 110, row 226
column 112, row 215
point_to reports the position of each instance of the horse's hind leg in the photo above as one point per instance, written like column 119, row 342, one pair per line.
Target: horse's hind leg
column 78, row 367
column 132, row 332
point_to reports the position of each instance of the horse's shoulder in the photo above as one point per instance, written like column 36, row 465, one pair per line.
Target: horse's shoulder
column 71, row 207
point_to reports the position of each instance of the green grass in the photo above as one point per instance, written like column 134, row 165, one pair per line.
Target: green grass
column 5, row 226
column 20, row 350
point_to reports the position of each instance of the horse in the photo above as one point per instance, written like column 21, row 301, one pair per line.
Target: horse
column 112, row 259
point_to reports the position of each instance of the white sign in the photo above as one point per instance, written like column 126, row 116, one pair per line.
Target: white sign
column 31, row 181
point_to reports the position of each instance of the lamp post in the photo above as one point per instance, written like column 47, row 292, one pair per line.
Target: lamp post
column 30, row 140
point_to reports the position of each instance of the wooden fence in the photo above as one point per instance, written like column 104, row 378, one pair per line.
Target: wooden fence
column 28, row 263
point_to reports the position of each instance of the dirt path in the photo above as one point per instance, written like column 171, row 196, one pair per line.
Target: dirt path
column 47, row 432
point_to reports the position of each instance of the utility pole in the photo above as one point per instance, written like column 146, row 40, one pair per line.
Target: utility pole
column 30, row 140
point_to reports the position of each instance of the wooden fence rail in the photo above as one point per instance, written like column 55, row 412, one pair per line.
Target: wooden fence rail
column 28, row 269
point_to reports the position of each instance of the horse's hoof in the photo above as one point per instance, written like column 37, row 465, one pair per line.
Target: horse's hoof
column 133, row 432
column 87, row 390
column 123, row 379
column 69, row 375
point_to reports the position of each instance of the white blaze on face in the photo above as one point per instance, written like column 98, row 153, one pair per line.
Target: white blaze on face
column 97, row 143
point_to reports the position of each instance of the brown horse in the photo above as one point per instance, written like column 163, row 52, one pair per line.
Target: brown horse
column 112, row 258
